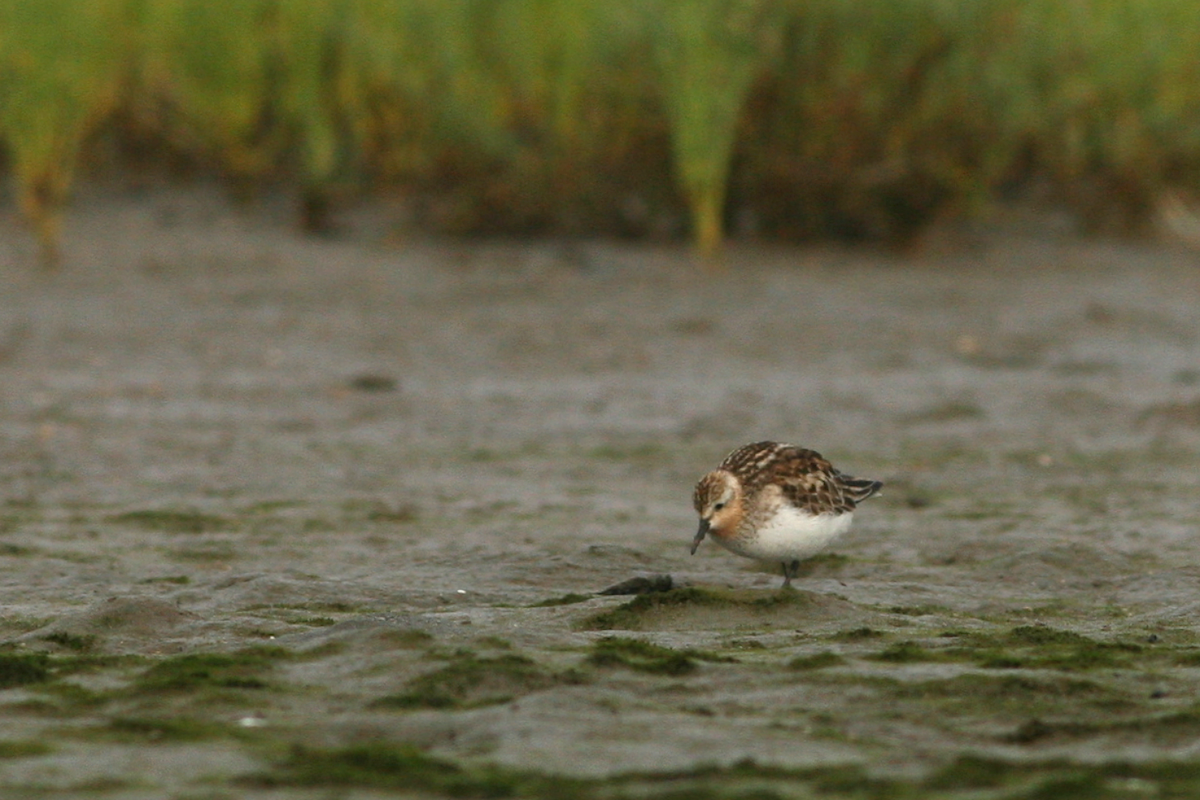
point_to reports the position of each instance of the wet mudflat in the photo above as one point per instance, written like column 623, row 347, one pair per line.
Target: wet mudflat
column 285, row 517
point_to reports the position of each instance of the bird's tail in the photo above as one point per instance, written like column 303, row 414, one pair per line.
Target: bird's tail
column 859, row 489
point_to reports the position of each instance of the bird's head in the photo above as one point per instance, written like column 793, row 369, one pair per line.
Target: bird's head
column 718, row 501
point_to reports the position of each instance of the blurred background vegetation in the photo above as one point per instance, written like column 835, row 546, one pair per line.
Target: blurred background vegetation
column 859, row 119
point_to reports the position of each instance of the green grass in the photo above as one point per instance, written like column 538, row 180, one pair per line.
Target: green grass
column 863, row 119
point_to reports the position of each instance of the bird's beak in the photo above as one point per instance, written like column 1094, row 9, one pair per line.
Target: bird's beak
column 704, row 526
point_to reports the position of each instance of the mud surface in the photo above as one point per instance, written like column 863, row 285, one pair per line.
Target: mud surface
column 286, row 517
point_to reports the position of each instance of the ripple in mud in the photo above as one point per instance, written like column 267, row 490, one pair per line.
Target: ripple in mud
column 123, row 623
column 711, row 609
column 471, row 681
column 640, row 656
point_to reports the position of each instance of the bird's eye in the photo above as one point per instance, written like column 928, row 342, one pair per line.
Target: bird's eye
column 718, row 506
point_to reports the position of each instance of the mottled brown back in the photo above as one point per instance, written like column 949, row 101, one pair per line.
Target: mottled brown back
column 806, row 478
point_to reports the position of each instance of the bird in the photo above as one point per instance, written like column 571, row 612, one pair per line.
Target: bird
column 777, row 502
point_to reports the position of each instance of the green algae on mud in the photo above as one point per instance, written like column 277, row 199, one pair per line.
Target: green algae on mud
column 11, row 550
column 906, row 652
column 407, row 639
column 825, row 658
column 243, row 669
column 384, row 765
column 571, row 598
column 1022, row 647
column 68, row 641
column 1153, row 728
column 60, row 699
column 989, row 693
column 177, row 580
column 311, row 615
column 531, row 528
column 471, row 681
column 1075, row 707
column 43, row 678
column 20, row 669
column 1041, row 647
column 24, row 748
column 381, row 765
column 641, row 656
column 917, row 611
column 172, row 521
column 24, row 669
column 857, row 635
column 163, row 730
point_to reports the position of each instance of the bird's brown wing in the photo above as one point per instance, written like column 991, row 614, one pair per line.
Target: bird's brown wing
column 756, row 465
column 807, row 480
column 813, row 484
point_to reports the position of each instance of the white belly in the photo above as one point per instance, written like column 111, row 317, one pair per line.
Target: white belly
column 790, row 535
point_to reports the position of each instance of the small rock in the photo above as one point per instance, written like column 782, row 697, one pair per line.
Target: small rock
column 368, row 382
column 642, row 584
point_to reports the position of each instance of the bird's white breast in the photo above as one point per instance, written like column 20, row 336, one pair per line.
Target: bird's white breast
column 790, row 534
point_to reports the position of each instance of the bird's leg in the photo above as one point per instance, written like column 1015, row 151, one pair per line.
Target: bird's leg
column 789, row 572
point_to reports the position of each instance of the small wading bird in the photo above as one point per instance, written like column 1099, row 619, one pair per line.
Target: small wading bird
column 777, row 502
